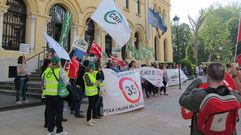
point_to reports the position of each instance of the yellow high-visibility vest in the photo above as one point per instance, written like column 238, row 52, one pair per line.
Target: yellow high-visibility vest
column 91, row 90
column 51, row 84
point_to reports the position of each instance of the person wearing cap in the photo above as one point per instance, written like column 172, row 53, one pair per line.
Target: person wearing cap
column 50, row 80
column 91, row 91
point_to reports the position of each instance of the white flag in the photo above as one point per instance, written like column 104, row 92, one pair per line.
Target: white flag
column 109, row 16
column 80, row 44
column 61, row 52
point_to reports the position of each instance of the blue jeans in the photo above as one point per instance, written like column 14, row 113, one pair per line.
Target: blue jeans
column 22, row 85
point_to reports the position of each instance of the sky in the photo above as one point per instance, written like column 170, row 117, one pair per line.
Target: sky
column 183, row 8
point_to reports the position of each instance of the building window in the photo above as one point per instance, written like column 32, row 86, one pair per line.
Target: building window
column 156, row 48
column 123, row 52
column 108, row 45
column 127, row 4
column 14, row 25
column 137, row 39
column 57, row 12
column 138, row 6
column 90, row 32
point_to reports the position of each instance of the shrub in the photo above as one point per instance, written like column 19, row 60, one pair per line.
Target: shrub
column 189, row 65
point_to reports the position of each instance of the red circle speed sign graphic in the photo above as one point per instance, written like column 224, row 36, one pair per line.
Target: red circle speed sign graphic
column 130, row 90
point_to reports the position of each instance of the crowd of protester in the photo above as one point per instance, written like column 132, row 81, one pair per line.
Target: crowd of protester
column 90, row 81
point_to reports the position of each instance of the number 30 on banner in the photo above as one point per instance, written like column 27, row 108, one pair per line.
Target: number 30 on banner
column 130, row 90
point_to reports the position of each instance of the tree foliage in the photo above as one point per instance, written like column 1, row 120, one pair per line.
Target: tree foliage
column 196, row 25
column 218, row 32
column 212, row 36
column 184, row 35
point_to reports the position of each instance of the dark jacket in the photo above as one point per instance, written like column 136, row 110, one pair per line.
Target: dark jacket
column 80, row 80
column 100, row 76
column 192, row 97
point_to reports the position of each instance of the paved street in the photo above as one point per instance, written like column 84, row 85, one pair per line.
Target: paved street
column 161, row 116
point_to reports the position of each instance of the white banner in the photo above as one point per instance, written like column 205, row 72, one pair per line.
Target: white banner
column 152, row 75
column 80, row 44
column 61, row 52
column 173, row 77
column 123, row 92
column 109, row 16
column 24, row 48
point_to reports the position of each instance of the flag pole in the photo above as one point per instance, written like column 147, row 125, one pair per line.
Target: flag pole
column 236, row 47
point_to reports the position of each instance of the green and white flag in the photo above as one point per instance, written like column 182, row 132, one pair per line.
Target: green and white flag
column 109, row 16
column 65, row 30
column 80, row 44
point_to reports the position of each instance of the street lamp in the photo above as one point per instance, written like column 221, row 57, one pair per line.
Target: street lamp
column 176, row 22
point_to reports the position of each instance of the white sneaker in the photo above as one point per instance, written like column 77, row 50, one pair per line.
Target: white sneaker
column 25, row 101
column 63, row 133
column 93, row 121
column 50, row 133
column 89, row 123
column 18, row 102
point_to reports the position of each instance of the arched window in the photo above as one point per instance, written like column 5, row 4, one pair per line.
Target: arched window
column 108, row 45
column 127, row 4
column 123, row 52
column 57, row 12
column 138, row 7
column 90, row 32
column 137, row 39
column 156, row 48
column 14, row 25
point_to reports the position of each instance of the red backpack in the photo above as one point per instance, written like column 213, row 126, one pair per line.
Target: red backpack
column 218, row 114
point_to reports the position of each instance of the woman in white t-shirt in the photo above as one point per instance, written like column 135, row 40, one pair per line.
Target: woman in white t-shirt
column 21, row 80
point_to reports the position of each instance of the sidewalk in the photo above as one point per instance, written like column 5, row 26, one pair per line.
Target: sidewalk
column 161, row 116
column 8, row 101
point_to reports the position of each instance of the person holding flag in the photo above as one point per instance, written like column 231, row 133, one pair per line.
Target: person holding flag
column 54, row 103
column 91, row 91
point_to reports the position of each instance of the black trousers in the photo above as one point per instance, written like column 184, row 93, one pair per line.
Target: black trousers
column 145, row 87
column 164, row 88
column 55, row 113
column 91, row 107
column 98, row 104
column 45, row 112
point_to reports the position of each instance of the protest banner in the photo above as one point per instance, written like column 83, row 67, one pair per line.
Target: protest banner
column 152, row 75
column 126, row 95
column 65, row 30
column 24, row 48
column 173, row 77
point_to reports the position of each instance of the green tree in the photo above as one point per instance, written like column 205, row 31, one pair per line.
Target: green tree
column 202, row 53
column 190, row 54
column 195, row 27
column 184, row 36
column 215, row 36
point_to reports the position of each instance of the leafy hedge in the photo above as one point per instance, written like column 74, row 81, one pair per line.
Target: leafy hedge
column 189, row 65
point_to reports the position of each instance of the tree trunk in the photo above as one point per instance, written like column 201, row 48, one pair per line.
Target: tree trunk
column 209, row 57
